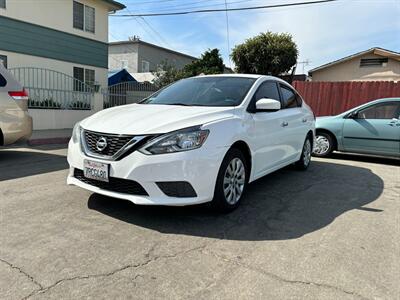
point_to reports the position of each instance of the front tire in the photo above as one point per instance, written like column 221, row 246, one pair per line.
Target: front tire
column 324, row 145
column 231, row 182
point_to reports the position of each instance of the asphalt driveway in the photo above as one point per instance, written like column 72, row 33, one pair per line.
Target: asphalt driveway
column 332, row 232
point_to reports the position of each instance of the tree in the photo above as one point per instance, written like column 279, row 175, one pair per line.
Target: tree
column 210, row 62
column 267, row 53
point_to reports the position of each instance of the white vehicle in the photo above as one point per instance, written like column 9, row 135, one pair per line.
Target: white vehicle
column 15, row 122
column 198, row 140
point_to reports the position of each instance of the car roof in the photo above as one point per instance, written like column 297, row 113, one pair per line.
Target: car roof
column 241, row 75
column 385, row 99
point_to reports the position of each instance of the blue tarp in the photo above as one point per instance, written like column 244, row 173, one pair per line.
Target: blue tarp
column 119, row 76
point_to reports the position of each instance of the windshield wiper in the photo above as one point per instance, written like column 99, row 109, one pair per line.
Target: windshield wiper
column 178, row 103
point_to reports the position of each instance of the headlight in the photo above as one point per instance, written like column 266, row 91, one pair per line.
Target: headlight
column 76, row 133
column 182, row 140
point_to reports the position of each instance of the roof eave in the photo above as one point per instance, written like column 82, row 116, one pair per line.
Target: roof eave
column 114, row 5
column 375, row 50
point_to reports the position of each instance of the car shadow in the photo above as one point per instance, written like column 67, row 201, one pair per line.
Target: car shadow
column 17, row 163
column 284, row 205
column 391, row 161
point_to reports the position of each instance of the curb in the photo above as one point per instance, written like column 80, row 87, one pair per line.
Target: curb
column 48, row 141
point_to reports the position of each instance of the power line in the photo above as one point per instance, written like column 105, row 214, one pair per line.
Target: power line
column 221, row 10
column 187, row 6
column 164, row 41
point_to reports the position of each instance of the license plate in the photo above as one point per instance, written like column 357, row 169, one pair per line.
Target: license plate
column 95, row 170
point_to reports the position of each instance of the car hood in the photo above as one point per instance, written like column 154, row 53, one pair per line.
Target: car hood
column 140, row 119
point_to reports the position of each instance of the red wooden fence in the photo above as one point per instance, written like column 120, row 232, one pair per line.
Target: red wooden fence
column 331, row 98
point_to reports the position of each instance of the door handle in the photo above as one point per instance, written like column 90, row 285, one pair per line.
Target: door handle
column 284, row 124
column 304, row 120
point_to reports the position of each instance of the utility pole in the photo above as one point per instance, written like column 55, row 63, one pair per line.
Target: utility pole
column 304, row 64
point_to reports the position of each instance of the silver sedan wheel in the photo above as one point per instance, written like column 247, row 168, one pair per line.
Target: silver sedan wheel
column 321, row 145
column 234, row 179
column 307, row 152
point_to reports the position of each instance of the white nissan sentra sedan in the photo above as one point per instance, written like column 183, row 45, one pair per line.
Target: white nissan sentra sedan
column 201, row 139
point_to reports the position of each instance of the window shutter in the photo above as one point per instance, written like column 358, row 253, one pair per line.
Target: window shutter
column 89, row 19
column 78, row 15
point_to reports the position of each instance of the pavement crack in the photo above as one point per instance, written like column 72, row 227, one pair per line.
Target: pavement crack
column 149, row 260
column 20, row 270
column 285, row 280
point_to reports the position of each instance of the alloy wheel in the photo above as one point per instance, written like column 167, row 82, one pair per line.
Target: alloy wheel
column 234, row 181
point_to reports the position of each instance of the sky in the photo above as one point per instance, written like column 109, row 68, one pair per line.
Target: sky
column 323, row 32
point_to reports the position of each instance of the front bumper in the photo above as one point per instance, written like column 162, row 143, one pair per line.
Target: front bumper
column 198, row 167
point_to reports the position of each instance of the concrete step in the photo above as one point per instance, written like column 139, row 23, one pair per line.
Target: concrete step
column 51, row 136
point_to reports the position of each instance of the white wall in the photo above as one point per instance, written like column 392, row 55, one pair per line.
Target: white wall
column 52, row 118
column 58, row 14
column 351, row 71
column 56, row 119
column 62, row 119
column 118, row 53
column 15, row 60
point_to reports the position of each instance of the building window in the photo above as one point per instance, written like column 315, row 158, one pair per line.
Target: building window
column 124, row 64
column 374, row 62
column 84, row 17
column 89, row 19
column 2, row 3
column 3, row 60
column 83, row 76
column 145, row 66
column 89, row 77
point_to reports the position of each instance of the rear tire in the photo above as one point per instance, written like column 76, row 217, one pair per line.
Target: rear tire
column 324, row 145
column 231, row 182
column 305, row 158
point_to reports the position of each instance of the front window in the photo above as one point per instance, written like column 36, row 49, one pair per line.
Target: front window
column 388, row 110
column 204, row 91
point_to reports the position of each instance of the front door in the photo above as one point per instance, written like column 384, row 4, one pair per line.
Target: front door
column 267, row 134
column 374, row 129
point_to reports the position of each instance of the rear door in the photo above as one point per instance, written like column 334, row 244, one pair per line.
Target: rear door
column 374, row 129
column 294, row 123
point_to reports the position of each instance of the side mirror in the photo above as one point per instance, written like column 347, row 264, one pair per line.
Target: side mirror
column 270, row 105
column 353, row 115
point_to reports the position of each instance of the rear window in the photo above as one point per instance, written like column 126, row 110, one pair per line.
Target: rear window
column 3, row 81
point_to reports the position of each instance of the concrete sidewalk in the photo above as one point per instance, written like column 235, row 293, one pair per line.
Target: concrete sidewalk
column 51, row 136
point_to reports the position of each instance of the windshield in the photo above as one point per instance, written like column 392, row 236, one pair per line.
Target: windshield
column 204, row 91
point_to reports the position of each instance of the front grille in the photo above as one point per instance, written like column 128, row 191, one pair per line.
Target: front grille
column 119, row 185
column 180, row 189
column 114, row 142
